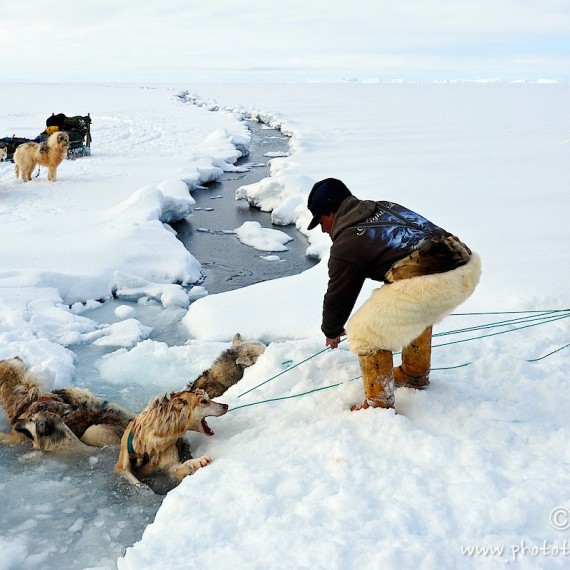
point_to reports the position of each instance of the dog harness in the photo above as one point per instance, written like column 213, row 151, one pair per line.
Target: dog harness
column 48, row 399
column 135, row 460
column 130, row 447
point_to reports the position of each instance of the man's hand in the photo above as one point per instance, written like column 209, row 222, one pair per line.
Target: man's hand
column 334, row 342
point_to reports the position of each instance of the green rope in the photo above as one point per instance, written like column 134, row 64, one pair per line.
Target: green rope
column 286, row 397
column 509, row 312
column 535, row 318
column 550, row 320
column 453, row 367
column 294, row 395
column 286, row 370
column 322, row 388
column 544, row 317
column 549, row 354
column 357, row 377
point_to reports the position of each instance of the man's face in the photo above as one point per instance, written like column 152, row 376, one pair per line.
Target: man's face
column 326, row 222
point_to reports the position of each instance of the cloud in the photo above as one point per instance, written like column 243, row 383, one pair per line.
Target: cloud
column 171, row 39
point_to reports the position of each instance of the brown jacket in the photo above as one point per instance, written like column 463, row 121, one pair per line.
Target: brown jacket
column 370, row 250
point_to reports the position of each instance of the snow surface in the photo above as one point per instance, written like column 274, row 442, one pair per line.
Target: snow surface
column 480, row 459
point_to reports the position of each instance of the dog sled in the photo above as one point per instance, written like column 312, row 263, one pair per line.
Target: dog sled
column 77, row 127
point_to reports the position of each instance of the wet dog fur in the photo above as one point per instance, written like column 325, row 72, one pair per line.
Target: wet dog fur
column 153, row 440
column 59, row 420
column 48, row 432
column 229, row 367
column 49, row 153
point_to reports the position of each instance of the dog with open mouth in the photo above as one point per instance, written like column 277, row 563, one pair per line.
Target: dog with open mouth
column 154, row 439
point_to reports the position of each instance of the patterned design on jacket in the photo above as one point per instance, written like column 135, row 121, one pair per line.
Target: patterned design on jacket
column 392, row 232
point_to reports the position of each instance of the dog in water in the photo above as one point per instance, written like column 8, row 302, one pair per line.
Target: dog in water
column 69, row 418
column 48, row 432
column 229, row 367
column 153, row 440
column 49, row 153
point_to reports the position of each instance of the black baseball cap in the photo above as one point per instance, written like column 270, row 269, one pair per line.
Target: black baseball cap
column 325, row 197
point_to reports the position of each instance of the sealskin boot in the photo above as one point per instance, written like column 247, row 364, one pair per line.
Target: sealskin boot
column 378, row 380
column 416, row 363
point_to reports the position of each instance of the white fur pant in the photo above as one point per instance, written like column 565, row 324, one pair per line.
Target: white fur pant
column 397, row 313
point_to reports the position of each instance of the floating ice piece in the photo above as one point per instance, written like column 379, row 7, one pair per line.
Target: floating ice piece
column 124, row 312
column 263, row 239
column 132, row 288
column 125, row 334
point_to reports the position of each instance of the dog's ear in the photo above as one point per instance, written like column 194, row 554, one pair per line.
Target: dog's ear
column 199, row 393
column 175, row 397
column 181, row 400
column 246, row 360
column 200, row 397
column 236, row 339
column 30, row 394
column 46, row 426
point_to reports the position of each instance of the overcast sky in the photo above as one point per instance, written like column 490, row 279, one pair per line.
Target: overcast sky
column 287, row 40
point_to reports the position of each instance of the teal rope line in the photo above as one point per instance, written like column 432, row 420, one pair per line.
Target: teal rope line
column 300, row 394
column 286, row 370
column 285, row 397
column 440, row 368
column 453, row 367
column 501, row 332
column 509, row 312
column 549, row 354
column 544, row 317
column 322, row 388
column 294, row 395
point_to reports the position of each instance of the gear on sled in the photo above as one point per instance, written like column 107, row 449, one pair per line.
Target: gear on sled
column 77, row 127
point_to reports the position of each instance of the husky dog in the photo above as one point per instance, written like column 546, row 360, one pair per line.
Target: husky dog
column 3, row 152
column 56, row 420
column 153, row 440
column 229, row 367
column 49, row 153
column 48, row 432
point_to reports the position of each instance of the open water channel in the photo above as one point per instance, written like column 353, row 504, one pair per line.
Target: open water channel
column 75, row 513
column 226, row 262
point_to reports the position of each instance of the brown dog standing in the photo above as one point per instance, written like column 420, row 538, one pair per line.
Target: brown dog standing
column 49, row 153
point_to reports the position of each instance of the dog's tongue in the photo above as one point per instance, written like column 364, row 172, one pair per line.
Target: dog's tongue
column 206, row 427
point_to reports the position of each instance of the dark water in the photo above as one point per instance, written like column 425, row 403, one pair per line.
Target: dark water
column 227, row 263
